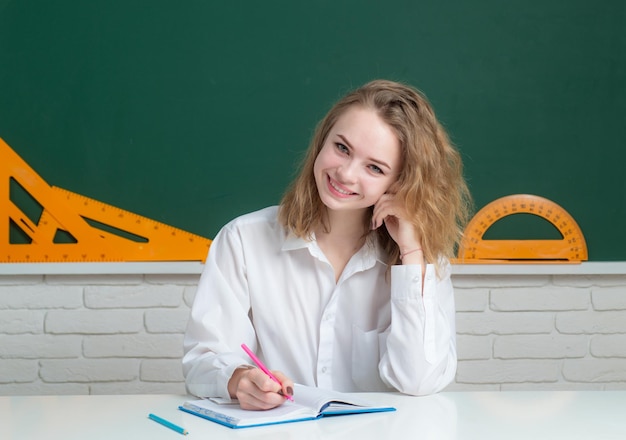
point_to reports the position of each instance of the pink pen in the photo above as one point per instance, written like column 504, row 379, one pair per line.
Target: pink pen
column 263, row 368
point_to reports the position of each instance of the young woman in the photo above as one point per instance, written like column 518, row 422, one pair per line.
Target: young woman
column 345, row 285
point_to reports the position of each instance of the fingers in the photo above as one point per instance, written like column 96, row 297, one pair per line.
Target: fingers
column 392, row 213
column 385, row 207
column 256, row 391
column 287, row 383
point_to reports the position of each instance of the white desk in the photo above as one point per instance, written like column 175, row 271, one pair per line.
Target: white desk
column 596, row 415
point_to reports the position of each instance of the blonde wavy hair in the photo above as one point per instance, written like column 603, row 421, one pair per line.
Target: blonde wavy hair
column 431, row 182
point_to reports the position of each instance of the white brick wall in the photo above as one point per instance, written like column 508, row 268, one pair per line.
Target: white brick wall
column 93, row 334
column 541, row 332
column 105, row 333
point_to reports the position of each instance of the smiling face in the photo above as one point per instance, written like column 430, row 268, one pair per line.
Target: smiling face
column 359, row 161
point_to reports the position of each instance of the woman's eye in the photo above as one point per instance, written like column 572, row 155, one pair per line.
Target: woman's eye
column 376, row 169
column 342, row 148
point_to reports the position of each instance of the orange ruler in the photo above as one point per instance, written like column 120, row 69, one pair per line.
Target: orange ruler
column 69, row 227
column 572, row 248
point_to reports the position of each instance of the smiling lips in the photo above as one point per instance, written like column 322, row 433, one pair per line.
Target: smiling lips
column 338, row 189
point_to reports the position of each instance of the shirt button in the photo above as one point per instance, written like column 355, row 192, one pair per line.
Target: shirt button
column 324, row 370
column 416, row 279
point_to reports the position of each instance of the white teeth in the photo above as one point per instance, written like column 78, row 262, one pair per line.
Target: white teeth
column 347, row 193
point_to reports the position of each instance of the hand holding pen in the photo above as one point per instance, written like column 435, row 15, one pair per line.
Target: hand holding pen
column 259, row 389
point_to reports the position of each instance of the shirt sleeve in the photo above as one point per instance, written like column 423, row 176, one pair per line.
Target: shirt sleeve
column 420, row 356
column 219, row 321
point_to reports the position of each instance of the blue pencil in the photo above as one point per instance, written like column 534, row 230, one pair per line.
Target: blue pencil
column 168, row 424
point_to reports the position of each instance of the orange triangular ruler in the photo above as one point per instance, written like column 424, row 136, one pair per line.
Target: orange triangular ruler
column 62, row 226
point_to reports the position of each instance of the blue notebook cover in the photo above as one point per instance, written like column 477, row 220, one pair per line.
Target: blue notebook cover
column 309, row 404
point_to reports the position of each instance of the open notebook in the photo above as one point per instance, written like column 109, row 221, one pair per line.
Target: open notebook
column 309, row 403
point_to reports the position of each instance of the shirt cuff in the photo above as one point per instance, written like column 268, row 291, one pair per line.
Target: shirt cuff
column 406, row 281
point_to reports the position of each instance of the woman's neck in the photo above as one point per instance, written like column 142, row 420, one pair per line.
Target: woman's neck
column 345, row 236
column 345, row 226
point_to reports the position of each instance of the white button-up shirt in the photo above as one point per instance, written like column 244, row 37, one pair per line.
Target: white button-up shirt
column 368, row 331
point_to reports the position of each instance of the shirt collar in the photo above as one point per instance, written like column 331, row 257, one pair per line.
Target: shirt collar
column 367, row 256
column 371, row 253
column 292, row 242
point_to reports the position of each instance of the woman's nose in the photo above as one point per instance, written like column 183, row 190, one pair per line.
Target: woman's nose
column 347, row 172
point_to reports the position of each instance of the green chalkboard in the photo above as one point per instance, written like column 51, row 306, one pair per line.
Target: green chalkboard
column 194, row 112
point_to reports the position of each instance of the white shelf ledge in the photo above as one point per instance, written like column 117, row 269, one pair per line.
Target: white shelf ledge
column 192, row 268
column 160, row 267
column 585, row 268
